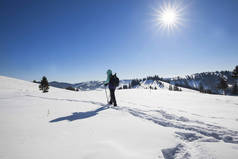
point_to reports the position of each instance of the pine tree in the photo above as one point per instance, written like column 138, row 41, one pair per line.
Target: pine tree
column 135, row 82
column 235, row 72
column 176, row 88
column 70, row 88
column 234, row 90
column 170, row 87
column 235, row 76
column 44, row 85
column 223, row 85
column 129, row 86
column 201, row 88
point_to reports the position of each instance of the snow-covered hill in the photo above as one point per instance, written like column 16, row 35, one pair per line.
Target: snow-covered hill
column 208, row 80
column 147, row 124
column 89, row 85
column 94, row 85
column 154, row 84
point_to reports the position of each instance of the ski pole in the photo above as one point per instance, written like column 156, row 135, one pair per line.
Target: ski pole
column 106, row 94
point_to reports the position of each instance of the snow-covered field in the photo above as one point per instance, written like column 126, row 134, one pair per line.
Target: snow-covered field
column 147, row 124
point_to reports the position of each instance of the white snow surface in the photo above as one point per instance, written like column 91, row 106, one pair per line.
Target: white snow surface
column 147, row 124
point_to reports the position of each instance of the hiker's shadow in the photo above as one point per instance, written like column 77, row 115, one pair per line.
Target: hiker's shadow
column 80, row 115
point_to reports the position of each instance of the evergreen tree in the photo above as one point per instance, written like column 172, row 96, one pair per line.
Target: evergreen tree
column 201, row 88
column 235, row 72
column 70, row 88
column 124, row 86
column 176, row 88
column 170, row 87
column 223, row 85
column 235, row 76
column 135, row 82
column 208, row 91
column 44, row 85
column 234, row 89
column 129, row 86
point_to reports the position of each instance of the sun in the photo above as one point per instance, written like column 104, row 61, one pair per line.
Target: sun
column 169, row 16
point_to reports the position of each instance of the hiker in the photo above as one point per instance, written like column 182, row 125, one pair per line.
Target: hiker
column 112, row 83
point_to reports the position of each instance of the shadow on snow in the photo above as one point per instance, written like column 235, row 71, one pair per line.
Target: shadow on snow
column 80, row 115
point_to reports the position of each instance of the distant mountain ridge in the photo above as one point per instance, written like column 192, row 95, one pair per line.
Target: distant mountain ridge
column 208, row 80
column 90, row 85
column 60, row 84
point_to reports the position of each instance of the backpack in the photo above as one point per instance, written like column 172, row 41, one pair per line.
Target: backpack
column 114, row 80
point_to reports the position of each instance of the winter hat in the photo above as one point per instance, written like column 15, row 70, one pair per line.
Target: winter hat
column 109, row 71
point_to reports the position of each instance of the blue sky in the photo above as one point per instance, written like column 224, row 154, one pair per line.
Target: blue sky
column 78, row 40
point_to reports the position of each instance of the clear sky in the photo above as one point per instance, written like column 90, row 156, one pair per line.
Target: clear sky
column 78, row 40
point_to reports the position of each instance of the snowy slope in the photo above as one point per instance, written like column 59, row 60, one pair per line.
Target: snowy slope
column 124, row 82
column 154, row 84
column 146, row 124
column 209, row 80
column 97, row 85
column 89, row 85
column 159, row 85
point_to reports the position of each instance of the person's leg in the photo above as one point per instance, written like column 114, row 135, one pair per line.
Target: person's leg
column 111, row 98
column 114, row 98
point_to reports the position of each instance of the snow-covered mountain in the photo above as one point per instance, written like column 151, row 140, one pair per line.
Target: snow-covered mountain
column 208, row 80
column 60, row 84
column 91, row 85
column 154, row 84
column 146, row 124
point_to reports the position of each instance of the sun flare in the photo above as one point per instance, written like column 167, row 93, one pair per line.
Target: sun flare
column 169, row 16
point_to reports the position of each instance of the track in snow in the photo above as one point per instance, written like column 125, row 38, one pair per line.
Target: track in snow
column 193, row 131
column 169, row 120
column 162, row 118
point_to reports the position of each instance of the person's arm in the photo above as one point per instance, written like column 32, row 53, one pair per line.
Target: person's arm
column 107, row 81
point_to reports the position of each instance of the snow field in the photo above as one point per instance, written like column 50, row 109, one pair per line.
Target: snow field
column 146, row 124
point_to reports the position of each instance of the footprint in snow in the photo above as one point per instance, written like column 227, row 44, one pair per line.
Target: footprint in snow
column 171, row 153
column 188, row 136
